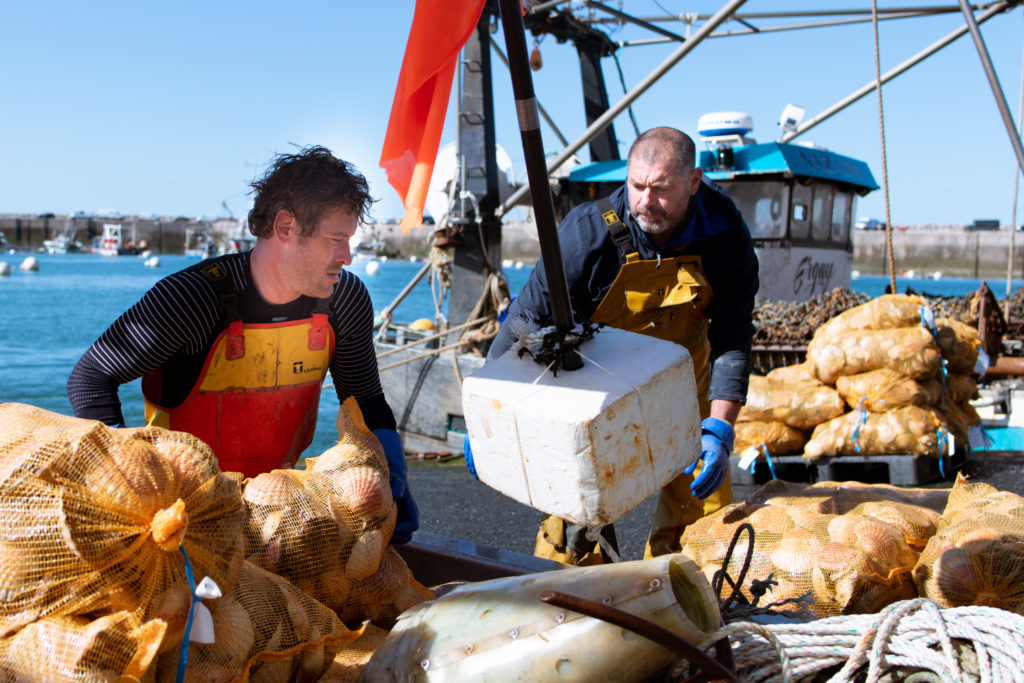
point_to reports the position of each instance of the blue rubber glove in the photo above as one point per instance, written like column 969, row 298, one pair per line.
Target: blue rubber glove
column 408, row 514
column 716, row 439
column 467, row 453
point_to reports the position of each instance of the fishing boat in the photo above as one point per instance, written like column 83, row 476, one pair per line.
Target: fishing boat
column 799, row 201
column 114, row 243
column 199, row 243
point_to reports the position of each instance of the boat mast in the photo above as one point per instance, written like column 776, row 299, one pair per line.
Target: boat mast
column 474, row 217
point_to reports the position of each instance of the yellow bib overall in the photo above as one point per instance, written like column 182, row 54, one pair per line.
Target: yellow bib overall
column 256, row 400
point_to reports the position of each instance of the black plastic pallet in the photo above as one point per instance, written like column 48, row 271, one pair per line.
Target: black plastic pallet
column 899, row 470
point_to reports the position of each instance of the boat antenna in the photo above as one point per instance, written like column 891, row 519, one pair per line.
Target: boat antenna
column 537, row 174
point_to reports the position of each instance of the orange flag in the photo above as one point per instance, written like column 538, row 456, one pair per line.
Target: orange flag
column 439, row 30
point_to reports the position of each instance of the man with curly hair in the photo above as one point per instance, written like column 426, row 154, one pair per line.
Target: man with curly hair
column 234, row 350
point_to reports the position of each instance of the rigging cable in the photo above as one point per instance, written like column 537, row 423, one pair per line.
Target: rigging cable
column 1016, row 186
column 622, row 81
column 885, row 165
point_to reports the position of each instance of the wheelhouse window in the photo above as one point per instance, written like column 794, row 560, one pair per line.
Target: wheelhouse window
column 841, row 205
column 763, row 205
column 821, row 213
column 800, row 218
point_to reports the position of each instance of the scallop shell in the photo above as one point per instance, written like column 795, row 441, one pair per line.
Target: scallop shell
column 365, row 556
column 955, row 581
column 795, row 556
column 771, row 519
column 917, row 524
column 837, row 557
column 878, row 541
column 365, row 491
column 274, row 488
column 842, row 529
column 298, row 615
column 234, row 631
column 148, row 475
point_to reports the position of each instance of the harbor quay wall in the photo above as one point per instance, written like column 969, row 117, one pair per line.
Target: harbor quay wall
column 951, row 250
column 164, row 235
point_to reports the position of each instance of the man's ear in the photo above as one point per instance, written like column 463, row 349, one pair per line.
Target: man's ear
column 284, row 224
column 695, row 180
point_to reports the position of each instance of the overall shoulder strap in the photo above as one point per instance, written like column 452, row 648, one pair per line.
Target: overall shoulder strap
column 620, row 234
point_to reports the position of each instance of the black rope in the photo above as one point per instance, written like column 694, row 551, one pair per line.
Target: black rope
column 561, row 352
column 736, row 606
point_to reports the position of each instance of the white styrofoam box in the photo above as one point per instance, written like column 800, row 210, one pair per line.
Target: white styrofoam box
column 586, row 445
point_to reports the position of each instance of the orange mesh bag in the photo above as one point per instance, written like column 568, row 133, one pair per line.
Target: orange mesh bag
column 114, row 647
column 908, row 350
column 884, row 389
column 801, row 372
column 819, row 542
column 265, row 629
column 778, row 437
column 94, row 519
column 959, row 344
column 910, row 430
column 326, row 529
column 801, row 405
column 881, row 313
column 976, row 556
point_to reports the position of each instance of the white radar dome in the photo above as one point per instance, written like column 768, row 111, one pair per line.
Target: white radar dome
column 717, row 124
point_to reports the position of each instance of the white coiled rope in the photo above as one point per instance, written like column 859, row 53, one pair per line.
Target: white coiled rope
column 911, row 633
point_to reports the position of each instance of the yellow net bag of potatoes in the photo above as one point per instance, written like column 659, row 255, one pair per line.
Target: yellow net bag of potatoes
column 884, row 389
column 910, row 351
column 850, row 550
column 114, row 647
column 881, row 313
column 265, row 629
column 778, row 437
column 327, row 528
column 95, row 519
column 910, row 430
column 976, row 556
column 801, row 405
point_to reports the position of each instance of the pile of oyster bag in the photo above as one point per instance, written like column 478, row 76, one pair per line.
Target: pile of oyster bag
column 882, row 378
column 95, row 527
column 327, row 528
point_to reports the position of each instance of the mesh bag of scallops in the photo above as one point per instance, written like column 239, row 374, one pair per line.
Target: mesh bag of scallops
column 327, row 528
column 846, row 547
column 103, row 534
column 976, row 556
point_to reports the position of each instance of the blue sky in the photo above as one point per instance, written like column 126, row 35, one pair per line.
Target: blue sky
column 173, row 108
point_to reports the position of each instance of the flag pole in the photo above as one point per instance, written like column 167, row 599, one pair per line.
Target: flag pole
column 536, row 168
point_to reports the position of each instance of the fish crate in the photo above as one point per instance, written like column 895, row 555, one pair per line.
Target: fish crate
column 898, row 470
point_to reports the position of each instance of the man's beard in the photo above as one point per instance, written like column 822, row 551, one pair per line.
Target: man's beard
column 653, row 224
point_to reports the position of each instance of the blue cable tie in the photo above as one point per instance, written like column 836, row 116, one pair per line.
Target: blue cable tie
column 183, row 653
column 941, row 433
column 862, row 417
column 768, row 457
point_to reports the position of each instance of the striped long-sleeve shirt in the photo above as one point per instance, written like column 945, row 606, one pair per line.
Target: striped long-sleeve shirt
column 175, row 324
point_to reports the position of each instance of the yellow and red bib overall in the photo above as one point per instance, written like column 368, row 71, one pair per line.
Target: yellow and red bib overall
column 255, row 402
column 667, row 299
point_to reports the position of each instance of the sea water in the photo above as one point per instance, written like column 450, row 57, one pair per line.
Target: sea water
column 51, row 316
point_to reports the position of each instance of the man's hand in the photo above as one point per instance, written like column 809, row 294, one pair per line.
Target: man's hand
column 467, row 453
column 408, row 514
column 716, row 442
